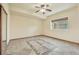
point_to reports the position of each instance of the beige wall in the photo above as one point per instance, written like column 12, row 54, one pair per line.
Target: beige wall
column 72, row 33
column 6, row 7
column 23, row 25
column 4, row 19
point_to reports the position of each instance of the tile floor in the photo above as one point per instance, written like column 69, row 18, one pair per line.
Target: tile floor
column 41, row 45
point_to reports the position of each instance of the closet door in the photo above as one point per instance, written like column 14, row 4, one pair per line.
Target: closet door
column 0, row 30
column 3, row 30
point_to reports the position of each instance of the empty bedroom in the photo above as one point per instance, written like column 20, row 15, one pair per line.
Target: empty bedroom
column 39, row 28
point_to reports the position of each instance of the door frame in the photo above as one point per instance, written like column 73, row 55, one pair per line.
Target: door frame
column 2, row 8
column 0, row 30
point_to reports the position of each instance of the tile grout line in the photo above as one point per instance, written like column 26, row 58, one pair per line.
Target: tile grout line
column 43, row 46
column 33, row 48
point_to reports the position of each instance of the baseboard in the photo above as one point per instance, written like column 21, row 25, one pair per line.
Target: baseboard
column 4, row 40
column 25, row 37
column 46, row 36
column 62, row 39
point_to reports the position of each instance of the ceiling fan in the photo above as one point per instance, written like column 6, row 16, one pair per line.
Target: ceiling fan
column 43, row 8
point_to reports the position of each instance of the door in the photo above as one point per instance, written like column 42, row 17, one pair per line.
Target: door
column 3, row 30
column 0, row 30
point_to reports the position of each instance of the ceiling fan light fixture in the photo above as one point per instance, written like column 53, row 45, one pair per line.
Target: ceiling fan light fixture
column 42, row 10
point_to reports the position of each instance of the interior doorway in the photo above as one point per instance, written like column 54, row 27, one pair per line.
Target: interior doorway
column 3, row 30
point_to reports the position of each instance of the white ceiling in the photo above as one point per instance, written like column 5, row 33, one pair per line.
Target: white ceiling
column 29, row 8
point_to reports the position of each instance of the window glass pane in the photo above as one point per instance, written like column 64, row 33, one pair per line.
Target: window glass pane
column 60, row 24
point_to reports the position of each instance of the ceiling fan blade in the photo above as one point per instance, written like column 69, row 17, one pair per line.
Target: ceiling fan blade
column 42, row 6
column 47, row 5
column 48, row 10
column 37, row 11
column 37, row 7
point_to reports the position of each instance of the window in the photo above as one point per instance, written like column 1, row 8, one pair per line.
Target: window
column 61, row 23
